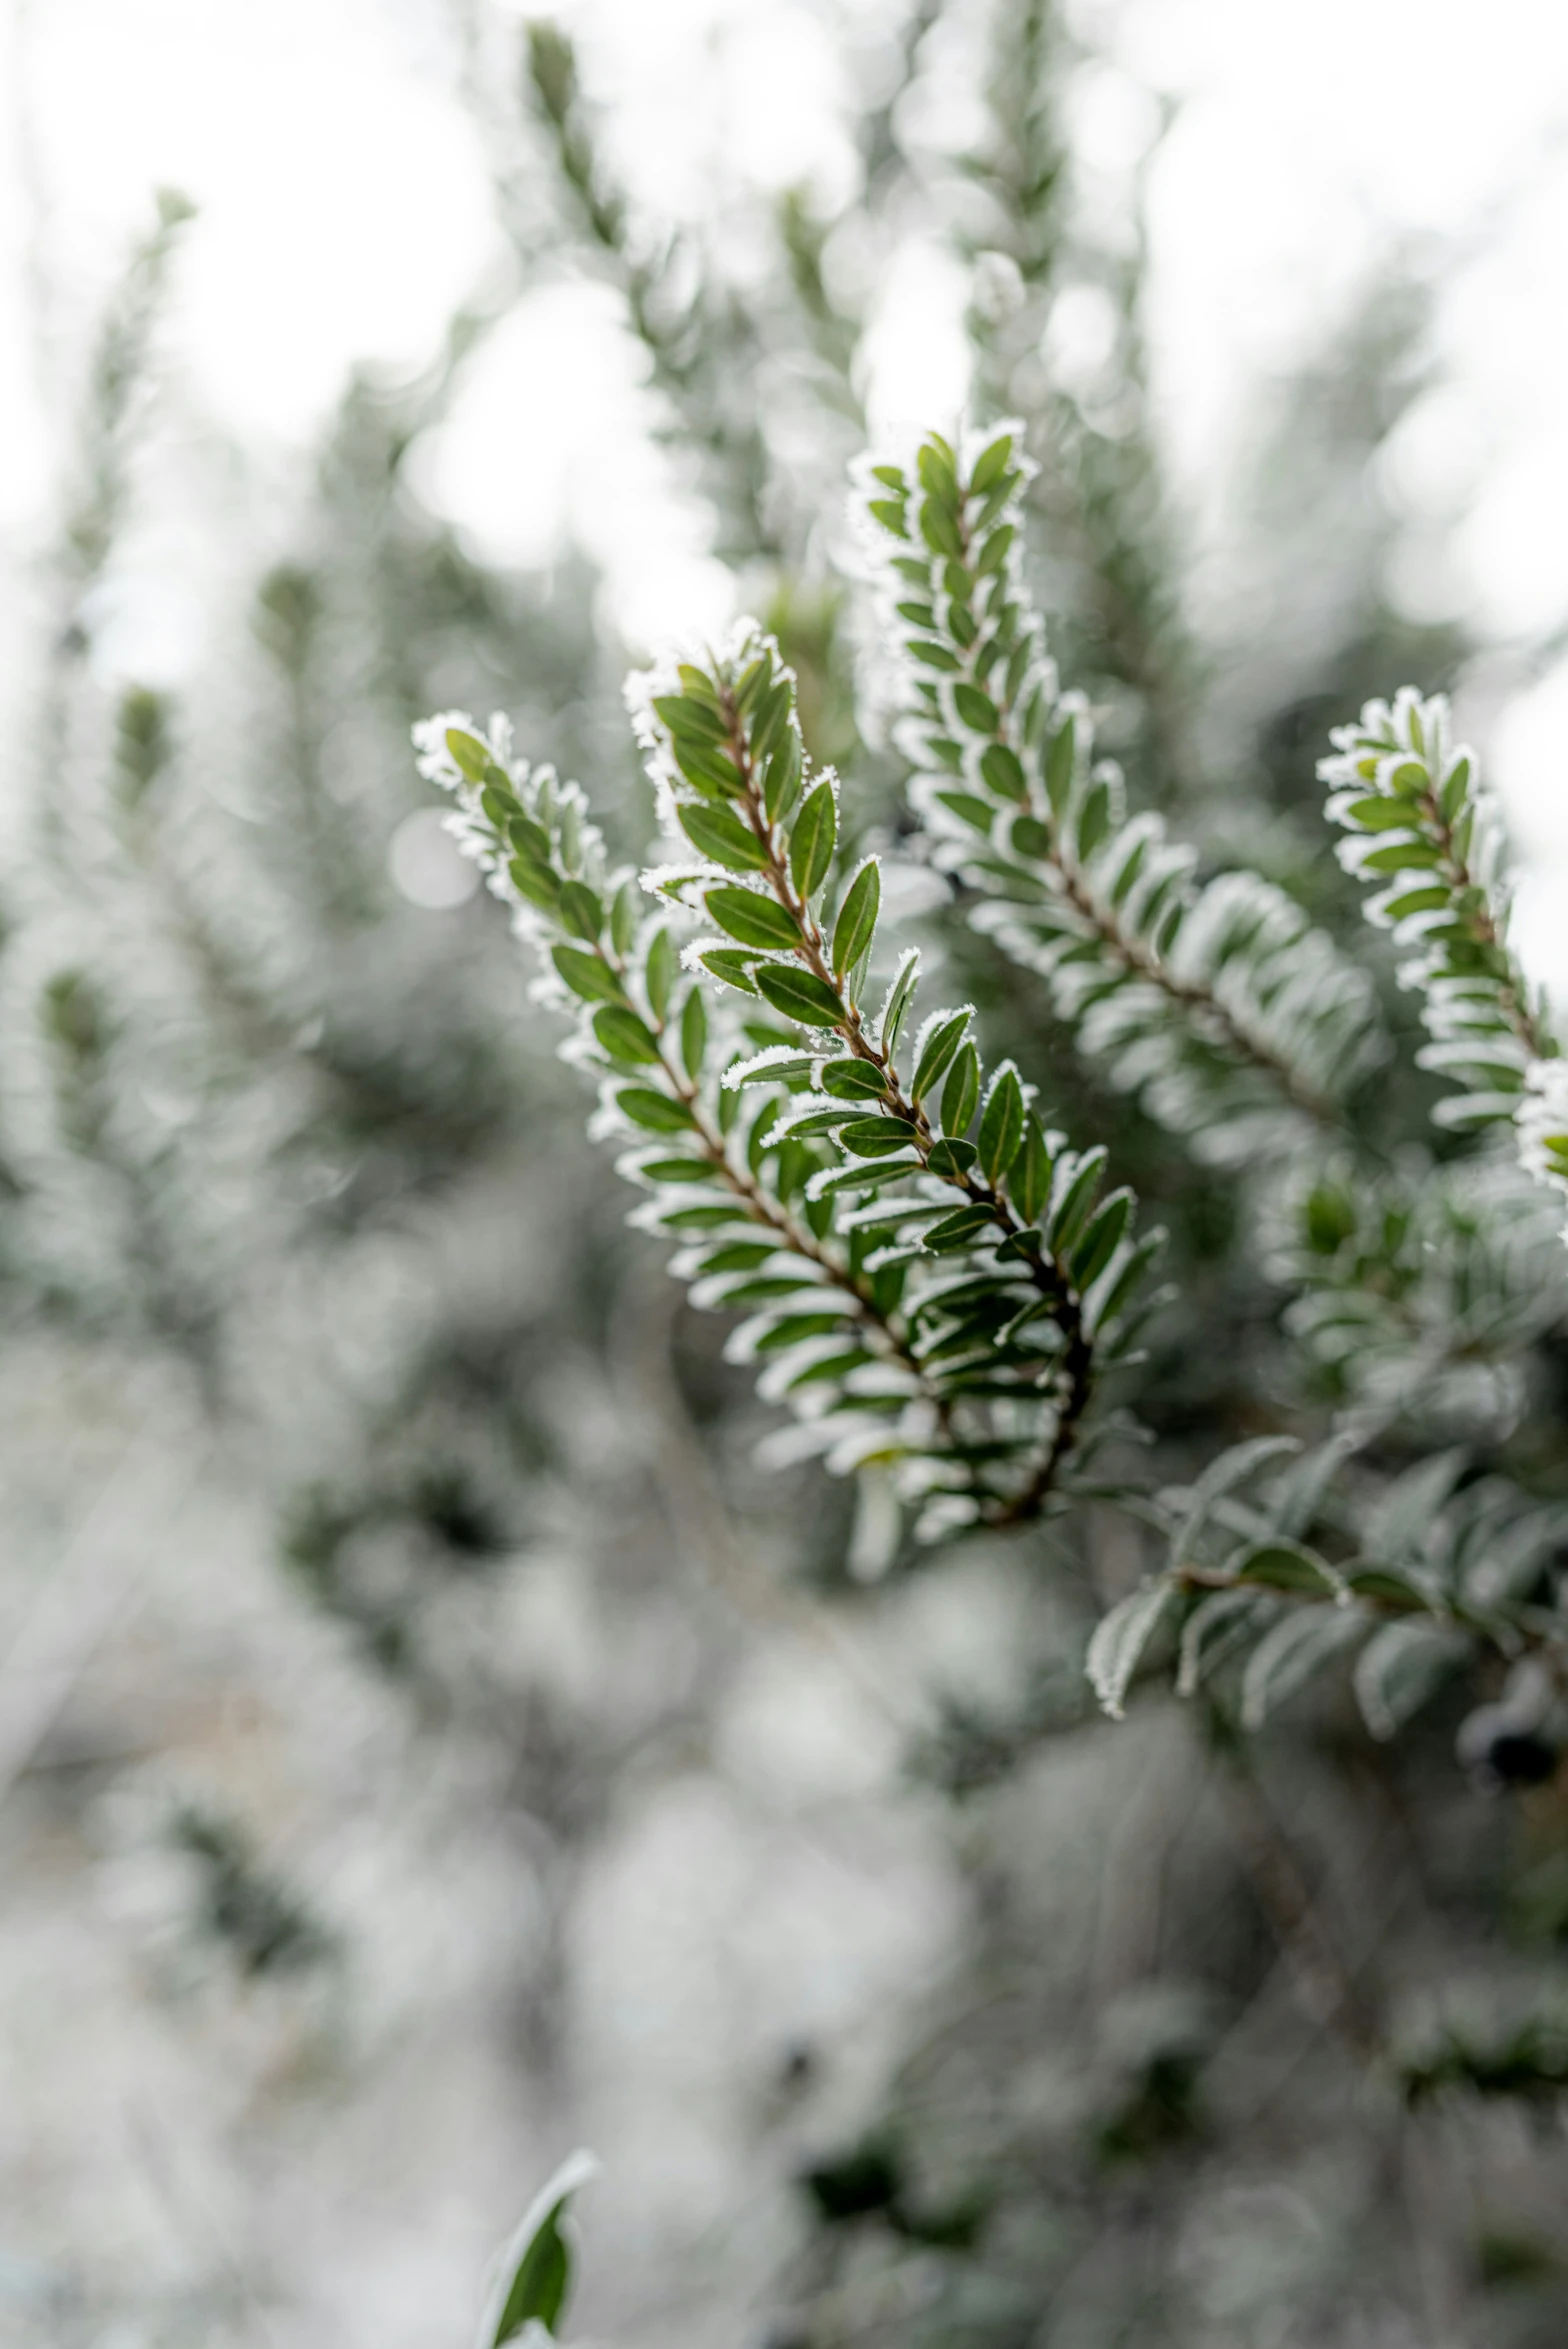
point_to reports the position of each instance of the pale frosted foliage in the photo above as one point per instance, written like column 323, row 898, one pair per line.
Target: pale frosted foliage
column 931, row 1280
column 1218, row 1004
column 940, row 1308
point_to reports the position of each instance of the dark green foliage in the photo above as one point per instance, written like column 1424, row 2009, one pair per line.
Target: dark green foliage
column 262, row 1926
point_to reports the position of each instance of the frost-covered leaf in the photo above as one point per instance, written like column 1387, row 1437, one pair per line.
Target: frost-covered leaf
column 1220, row 1624
column 1228, row 1470
column 1288, row 1566
column 1297, row 1647
column 1401, row 1666
column 533, row 2274
column 1121, row 1637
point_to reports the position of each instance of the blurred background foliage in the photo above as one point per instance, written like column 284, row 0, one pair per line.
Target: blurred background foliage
column 428, row 1737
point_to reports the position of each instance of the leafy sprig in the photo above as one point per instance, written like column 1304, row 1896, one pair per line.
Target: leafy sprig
column 1418, row 1293
column 932, row 1278
column 1416, row 1578
column 1219, row 1004
column 1426, row 836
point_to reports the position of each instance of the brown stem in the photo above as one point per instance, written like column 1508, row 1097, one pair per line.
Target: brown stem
column 1048, row 1274
column 1482, row 927
column 764, row 1209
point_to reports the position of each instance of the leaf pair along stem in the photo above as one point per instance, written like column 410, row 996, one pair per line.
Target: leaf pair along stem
column 828, row 962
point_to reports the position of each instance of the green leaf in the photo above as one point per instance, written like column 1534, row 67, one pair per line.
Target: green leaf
column 718, row 833
column 1003, row 770
column 755, row 682
column 471, row 755
column 1429, row 900
column 834, row 1366
column 1018, row 661
column 811, row 842
column 770, row 720
column 624, row 913
column 534, row 2273
column 900, row 996
column 1402, row 856
column 976, row 709
column 1377, row 815
column 1216, row 1628
column 624, row 1036
column 865, row 1177
column 995, row 551
column 754, row 920
column 941, row 1042
column 694, row 1033
column 851, row 1080
column 1282, row 1565
column 951, row 1158
column 876, row 1137
column 529, row 839
column 1002, row 1124
column 680, row 1170
column 538, row 883
column 1060, row 766
column 1101, row 1240
column 781, row 783
column 764, row 1292
column 857, row 920
column 582, row 911
column 686, row 717
column 938, row 475
column 707, row 771
column 658, row 972
column 935, row 656
column 890, row 513
column 1455, row 790
column 1228, row 1470
column 738, row 1256
column 586, row 975
column 734, row 969
column 1382, row 1586
column 657, row 1113
column 1072, row 1211
column 1120, row 1639
column 961, row 1093
column 799, row 994
column 971, row 810
column 990, row 465
column 803, row 1325
column 1094, row 818
column 818, row 1121
column 939, row 528
column 957, row 1229
column 1032, row 1173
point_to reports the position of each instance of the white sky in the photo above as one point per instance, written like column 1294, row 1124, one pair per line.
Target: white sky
column 345, row 212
